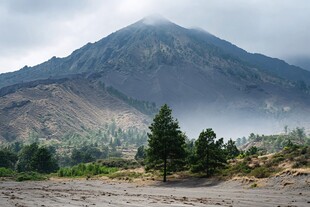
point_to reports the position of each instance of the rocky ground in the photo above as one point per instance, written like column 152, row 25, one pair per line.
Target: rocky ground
column 284, row 190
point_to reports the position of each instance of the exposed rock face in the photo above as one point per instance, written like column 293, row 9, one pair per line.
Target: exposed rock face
column 53, row 109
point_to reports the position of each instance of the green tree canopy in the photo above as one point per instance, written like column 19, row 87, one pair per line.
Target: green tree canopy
column 7, row 158
column 166, row 142
column 35, row 158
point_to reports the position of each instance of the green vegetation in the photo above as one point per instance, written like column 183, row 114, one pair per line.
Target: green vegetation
column 85, row 170
column 262, row 172
column 110, row 135
column 108, row 142
column 209, row 154
column 34, row 176
column 240, row 168
column 299, row 155
column 35, row 158
column 275, row 143
column 262, row 167
column 168, row 151
column 28, row 158
column 119, row 163
column 5, row 172
column 140, row 155
column 88, row 154
column 166, row 142
column 231, row 149
column 27, row 162
column 8, row 158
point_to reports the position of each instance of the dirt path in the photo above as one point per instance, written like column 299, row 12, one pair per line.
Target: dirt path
column 106, row 193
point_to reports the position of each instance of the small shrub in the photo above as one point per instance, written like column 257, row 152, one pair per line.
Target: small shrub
column 254, row 185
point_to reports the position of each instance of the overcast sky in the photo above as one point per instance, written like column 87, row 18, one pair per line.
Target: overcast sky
column 32, row 31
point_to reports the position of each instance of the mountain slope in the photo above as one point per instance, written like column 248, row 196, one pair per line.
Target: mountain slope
column 199, row 75
column 53, row 108
column 146, row 45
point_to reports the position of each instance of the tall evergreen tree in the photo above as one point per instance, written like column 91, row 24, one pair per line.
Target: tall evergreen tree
column 166, row 142
column 209, row 153
column 140, row 153
column 231, row 149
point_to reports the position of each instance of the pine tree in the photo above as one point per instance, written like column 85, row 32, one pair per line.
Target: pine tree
column 231, row 149
column 166, row 142
column 209, row 153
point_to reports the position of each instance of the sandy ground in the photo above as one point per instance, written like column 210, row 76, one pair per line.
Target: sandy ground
column 193, row 192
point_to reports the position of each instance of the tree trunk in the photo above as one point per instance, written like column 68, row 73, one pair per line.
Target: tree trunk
column 165, row 169
column 207, row 163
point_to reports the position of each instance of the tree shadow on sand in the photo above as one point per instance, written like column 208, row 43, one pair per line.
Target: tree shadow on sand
column 190, row 182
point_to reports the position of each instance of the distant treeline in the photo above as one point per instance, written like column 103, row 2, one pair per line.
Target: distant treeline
column 28, row 158
column 275, row 143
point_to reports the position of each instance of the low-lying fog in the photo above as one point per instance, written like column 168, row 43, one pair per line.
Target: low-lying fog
column 230, row 125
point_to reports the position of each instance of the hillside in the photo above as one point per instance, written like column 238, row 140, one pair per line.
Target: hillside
column 208, row 82
column 52, row 108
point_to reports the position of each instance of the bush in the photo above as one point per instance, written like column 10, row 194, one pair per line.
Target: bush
column 5, row 172
column 85, row 170
column 34, row 176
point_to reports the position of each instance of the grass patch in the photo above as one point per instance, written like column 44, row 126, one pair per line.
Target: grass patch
column 85, row 170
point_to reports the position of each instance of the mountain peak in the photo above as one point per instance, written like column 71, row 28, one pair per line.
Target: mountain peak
column 155, row 19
